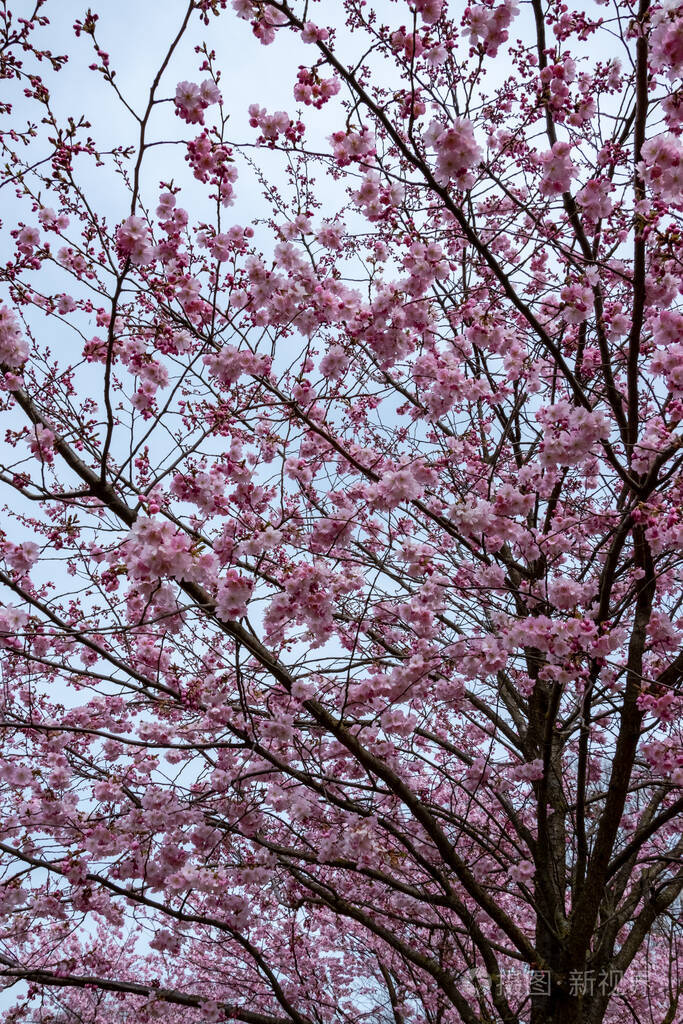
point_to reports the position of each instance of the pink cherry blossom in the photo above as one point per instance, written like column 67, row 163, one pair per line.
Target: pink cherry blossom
column 669, row 363
column 667, row 39
column 570, row 433
column 578, row 300
column 522, row 872
column 51, row 221
column 558, row 170
column 314, row 91
column 352, row 146
column 662, row 166
column 23, row 556
column 27, row 239
column 134, row 241
column 488, row 24
column 594, row 199
column 42, row 441
column 457, row 151
column 429, row 10
column 312, row 33
column 14, row 350
column 191, row 100
column 234, row 592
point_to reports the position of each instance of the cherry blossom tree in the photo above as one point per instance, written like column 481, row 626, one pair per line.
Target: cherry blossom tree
column 342, row 546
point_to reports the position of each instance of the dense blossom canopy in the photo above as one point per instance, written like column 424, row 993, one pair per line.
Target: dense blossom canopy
column 342, row 548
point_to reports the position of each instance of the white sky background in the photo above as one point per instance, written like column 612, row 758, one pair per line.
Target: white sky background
column 136, row 34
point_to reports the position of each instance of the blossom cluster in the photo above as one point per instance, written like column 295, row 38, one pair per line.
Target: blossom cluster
column 666, row 41
column 212, row 162
column 594, row 199
column 13, row 347
column 375, row 198
column 275, row 124
column 488, row 24
column 558, row 170
column 191, row 100
column 352, row 146
column 314, row 91
column 134, row 241
column 570, row 433
column 457, row 150
column 662, row 167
